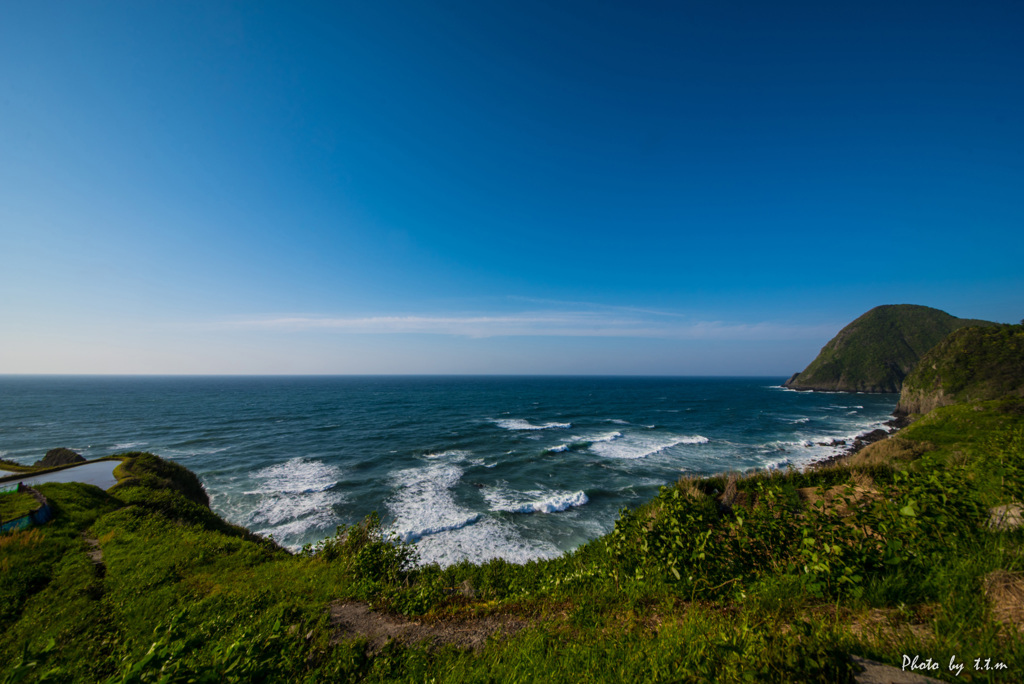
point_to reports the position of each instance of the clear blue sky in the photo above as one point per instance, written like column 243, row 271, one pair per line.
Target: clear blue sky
column 706, row 187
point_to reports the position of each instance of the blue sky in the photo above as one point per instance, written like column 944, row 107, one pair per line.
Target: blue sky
column 522, row 187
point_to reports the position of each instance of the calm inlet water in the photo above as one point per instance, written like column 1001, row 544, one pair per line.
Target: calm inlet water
column 466, row 467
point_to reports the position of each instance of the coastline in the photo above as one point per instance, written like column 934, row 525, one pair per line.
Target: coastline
column 863, row 440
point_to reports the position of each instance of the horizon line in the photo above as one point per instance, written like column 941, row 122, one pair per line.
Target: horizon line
column 382, row 375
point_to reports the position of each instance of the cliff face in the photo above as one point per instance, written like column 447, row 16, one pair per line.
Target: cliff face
column 973, row 364
column 876, row 352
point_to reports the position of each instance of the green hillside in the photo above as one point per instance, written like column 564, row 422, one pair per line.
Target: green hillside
column 973, row 364
column 877, row 351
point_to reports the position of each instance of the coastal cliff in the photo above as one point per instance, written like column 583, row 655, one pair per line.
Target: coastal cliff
column 972, row 364
column 875, row 352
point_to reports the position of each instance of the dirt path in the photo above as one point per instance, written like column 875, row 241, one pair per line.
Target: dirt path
column 355, row 619
column 95, row 553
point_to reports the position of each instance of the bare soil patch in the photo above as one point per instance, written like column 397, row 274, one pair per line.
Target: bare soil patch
column 1005, row 593
column 95, row 553
column 888, row 623
column 354, row 619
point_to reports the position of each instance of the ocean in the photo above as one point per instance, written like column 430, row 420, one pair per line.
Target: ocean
column 467, row 468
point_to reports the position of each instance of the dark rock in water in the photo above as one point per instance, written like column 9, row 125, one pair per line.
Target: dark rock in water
column 868, row 438
column 898, row 422
column 58, row 457
column 874, row 436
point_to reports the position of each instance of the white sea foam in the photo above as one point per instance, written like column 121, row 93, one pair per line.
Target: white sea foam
column 411, row 535
column 797, row 421
column 485, row 540
column 557, row 449
column 533, row 501
column 778, row 464
column 293, row 497
column 297, row 476
column 423, row 504
column 617, row 421
column 446, row 533
column 451, row 454
column 129, row 445
column 294, row 512
column 520, row 424
column 641, row 445
column 607, row 437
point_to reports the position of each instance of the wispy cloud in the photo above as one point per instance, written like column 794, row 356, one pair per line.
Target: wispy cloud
column 546, row 324
column 594, row 306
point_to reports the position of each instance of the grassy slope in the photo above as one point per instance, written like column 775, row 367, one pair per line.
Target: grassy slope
column 875, row 352
column 969, row 365
column 14, row 505
column 7, row 467
column 781, row 588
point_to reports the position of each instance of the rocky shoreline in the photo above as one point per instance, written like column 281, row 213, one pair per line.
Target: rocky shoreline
column 898, row 422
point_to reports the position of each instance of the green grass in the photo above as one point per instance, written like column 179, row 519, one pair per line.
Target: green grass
column 974, row 364
column 803, row 570
column 7, row 467
column 14, row 505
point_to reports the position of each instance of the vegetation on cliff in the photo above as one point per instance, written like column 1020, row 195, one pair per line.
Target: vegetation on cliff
column 876, row 352
column 973, row 364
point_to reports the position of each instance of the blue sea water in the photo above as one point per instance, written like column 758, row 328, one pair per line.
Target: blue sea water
column 465, row 467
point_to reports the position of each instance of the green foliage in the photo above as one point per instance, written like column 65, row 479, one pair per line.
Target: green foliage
column 973, row 364
column 143, row 469
column 372, row 563
column 908, row 526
